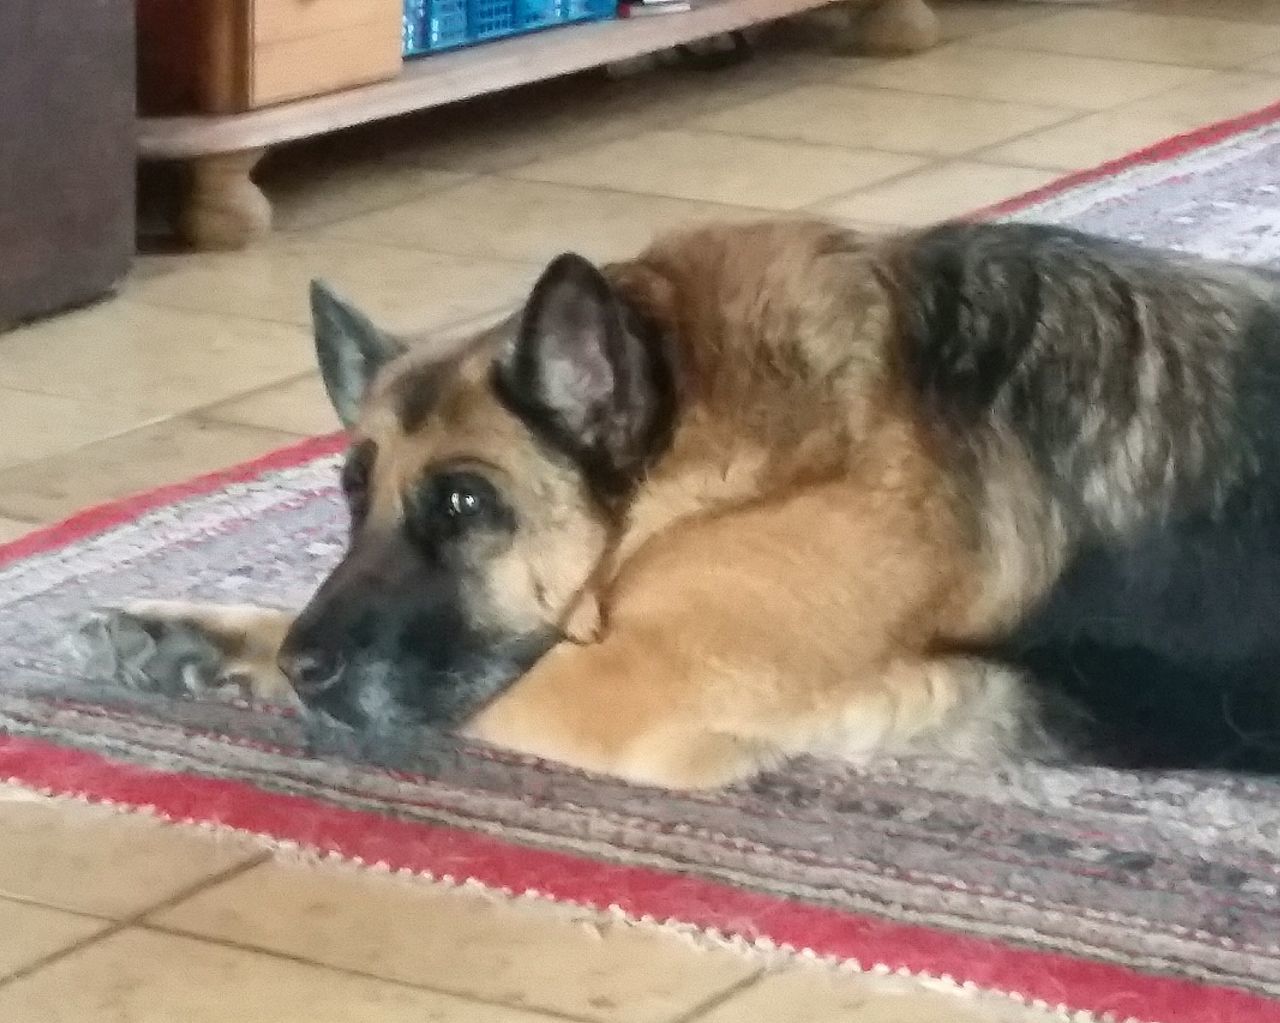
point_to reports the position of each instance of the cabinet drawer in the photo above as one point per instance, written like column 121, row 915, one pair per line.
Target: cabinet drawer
column 275, row 20
column 354, row 55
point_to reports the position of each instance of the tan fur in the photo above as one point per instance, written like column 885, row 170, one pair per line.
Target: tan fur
column 1023, row 542
column 701, row 646
column 815, row 512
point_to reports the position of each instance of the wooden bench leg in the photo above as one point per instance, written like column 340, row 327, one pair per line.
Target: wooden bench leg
column 225, row 209
column 889, row 27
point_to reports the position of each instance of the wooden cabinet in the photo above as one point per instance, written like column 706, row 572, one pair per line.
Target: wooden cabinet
column 227, row 56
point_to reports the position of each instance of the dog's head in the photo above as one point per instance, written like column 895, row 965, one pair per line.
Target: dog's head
column 484, row 489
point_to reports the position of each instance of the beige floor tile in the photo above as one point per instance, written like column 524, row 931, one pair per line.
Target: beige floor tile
column 1100, row 137
column 1133, row 35
column 1221, row 95
column 970, row 69
column 93, row 860
column 1267, row 65
column 533, row 220
column 723, row 168
column 14, row 529
column 1266, row 12
column 907, row 122
column 1087, row 142
column 948, row 190
column 811, row 994
column 141, row 977
column 167, row 452
column 555, row 118
column 310, row 188
column 499, row 140
column 160, row 360
column 401, row 287
column 299, row 406
column 533, row 956
column 32, row 932
column 964, row 18
column 155, row 264
column 34, row 426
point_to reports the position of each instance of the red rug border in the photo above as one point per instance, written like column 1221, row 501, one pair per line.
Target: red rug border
column 1035, row 976
column 109, row 515
column 1159, row 152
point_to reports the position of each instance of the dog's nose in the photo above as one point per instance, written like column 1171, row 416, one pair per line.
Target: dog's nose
column 311, row 672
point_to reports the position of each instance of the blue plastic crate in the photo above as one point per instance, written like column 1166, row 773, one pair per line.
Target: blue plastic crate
column 433, row 25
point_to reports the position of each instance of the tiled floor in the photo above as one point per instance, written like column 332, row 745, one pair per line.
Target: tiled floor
column 202, row 361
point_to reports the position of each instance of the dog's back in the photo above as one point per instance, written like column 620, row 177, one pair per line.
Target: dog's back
column 1145, row 390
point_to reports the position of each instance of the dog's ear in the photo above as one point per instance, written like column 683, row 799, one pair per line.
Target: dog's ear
column 351, row 350
column 588, row 372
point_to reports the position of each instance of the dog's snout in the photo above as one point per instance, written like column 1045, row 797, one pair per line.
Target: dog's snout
column 311, row 671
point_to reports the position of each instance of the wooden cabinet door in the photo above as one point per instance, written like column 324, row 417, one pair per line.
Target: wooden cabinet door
column 225, row 56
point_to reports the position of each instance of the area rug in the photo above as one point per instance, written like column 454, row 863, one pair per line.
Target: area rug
column 1096, row 894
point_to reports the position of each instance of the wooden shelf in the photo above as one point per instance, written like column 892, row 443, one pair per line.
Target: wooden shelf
column 225, row 209
column 455, row 75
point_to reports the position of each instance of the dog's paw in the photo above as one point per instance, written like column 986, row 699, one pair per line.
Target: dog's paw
column 156, row 649
column 149, row 652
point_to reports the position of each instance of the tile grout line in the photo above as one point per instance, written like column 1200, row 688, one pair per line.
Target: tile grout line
column 627, row 193
column 20, row 899
column 1024, row 48
column 720, row 998
column 351, row 971
column 281, row 439
column 974, row 42
column 252, row 392
column 133, row 919
column 150, row 419
column 929, row 165
column 291, row 241
column 302, row 229
column 995, row 101
column 505, row 176
column 928, row 157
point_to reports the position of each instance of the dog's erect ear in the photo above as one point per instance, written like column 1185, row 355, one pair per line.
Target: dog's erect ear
column 588, row 373
column 351, row 350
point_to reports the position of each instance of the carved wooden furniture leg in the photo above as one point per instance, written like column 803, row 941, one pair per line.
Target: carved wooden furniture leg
column 225, row 209
column 888, row 27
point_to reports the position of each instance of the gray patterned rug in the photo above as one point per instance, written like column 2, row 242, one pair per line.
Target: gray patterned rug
column 1146, row 896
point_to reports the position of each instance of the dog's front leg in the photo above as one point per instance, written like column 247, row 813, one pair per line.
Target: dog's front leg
column 183, row 648
column 628, row 707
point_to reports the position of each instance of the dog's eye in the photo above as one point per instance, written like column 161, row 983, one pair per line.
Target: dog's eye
column 462, row 496
column 452, row 504
column 461, row 501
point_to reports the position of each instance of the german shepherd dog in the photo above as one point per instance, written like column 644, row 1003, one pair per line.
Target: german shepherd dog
column 985, row 491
